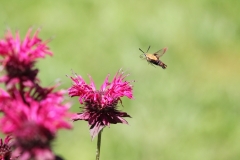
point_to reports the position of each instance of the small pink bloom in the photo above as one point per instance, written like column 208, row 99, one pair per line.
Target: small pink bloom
column 5, row 148
column 100, row 106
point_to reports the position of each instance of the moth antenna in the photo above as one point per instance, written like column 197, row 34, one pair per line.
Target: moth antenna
column 148, row 49
column 141, row 50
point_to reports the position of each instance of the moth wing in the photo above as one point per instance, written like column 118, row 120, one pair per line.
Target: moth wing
column 159, row 53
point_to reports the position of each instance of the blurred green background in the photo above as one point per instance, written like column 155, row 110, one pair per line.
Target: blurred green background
column 190, row 111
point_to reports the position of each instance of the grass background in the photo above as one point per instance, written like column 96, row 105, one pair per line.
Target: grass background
column 190, row 111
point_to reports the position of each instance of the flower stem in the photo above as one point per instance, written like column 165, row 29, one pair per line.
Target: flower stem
column 98, row 145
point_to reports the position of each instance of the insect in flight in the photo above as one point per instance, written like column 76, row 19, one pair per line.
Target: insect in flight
column 154, row 58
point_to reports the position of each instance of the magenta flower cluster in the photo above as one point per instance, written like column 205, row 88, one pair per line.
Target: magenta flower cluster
column 32, row 114
column 100, row 106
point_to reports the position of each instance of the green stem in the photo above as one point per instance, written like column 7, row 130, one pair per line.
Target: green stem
column 98, row 145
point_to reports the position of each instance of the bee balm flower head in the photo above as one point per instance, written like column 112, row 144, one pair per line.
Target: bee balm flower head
column 19, row 57
column 33, row 123
column 100, row 106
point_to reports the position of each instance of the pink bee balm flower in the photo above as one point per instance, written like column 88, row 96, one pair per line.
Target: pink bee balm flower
column 5, row 148
column 19, row 57
column 100, row 106
column 34, row 123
